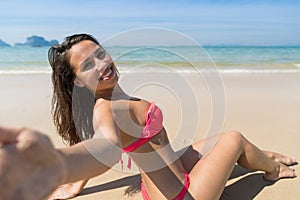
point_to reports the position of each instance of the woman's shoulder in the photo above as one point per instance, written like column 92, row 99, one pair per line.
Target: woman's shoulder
column 140, row 105
column 102, row 105
column 138, row 110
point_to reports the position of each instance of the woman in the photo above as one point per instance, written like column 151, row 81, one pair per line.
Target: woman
column 88, row 99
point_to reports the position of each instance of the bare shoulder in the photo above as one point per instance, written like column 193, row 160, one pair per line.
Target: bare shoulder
column 101, row 108
column 138, row 110
column 103, row 117
column 140, row 104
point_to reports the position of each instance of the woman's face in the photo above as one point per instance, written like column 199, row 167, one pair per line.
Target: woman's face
column 93, row 66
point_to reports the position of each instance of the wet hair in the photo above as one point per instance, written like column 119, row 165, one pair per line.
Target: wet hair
column 72, row 106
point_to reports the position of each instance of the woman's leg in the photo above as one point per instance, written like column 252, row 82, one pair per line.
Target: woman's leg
column 209, row 175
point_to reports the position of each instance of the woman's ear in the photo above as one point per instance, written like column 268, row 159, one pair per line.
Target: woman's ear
column 79, row 83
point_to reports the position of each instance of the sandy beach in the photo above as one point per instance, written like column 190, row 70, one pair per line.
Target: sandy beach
column 264, row 107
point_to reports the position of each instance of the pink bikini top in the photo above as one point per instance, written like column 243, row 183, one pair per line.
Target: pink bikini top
column 152, row 127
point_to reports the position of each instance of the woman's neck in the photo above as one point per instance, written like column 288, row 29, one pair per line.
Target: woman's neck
column 111, row 93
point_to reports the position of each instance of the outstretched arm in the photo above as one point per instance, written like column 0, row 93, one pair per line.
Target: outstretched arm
column 107, row 131
column 28, row 158
column 89, row 158
column 97, row 155
column 83, row 161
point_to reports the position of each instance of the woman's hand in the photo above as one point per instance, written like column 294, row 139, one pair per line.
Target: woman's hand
column 68, row 190
column 30, row 167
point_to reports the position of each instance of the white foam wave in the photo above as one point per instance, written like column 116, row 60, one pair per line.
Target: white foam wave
column 258, row 71
column 186, row 71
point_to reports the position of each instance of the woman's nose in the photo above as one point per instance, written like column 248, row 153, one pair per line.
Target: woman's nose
column 100, row 65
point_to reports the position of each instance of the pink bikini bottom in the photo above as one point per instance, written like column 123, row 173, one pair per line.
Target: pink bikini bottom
column 181, row 194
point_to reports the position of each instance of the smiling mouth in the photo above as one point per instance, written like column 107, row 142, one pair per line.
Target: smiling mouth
column 108, row 73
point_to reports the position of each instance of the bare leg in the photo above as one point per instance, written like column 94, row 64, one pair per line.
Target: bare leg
column 210, row 174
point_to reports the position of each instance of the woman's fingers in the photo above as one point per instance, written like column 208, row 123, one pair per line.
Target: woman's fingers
column 9, row 134
column 30, row 167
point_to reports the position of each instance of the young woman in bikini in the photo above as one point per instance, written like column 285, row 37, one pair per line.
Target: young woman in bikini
column 89, row 103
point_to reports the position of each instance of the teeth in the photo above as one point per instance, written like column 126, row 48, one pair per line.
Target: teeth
column 107, row 75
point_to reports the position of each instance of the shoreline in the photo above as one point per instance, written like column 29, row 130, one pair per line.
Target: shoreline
column 186, row 70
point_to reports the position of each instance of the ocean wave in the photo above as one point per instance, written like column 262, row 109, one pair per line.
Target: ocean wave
column 220, row 59
column 260, row 71
column 173, row 67
column 185, row 71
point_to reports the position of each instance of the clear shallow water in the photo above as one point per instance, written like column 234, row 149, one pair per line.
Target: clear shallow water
column 33, row 60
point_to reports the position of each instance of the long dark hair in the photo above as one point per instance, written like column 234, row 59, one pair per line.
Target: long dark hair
column 72, row 106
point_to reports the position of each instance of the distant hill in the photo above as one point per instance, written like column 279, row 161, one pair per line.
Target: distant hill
column 3, row 44
column 37, row 41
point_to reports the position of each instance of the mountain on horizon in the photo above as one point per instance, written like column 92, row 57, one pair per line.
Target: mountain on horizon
column 37, row 41
column 32, row 41
column 3, row 44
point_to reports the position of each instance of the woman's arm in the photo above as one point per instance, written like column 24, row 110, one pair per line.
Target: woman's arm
column 106, row 131
column 89, row 158
column 44, row 167
column 97, row 155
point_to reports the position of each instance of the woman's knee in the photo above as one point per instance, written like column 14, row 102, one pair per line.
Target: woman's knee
column 235, row 134
column 234, row 138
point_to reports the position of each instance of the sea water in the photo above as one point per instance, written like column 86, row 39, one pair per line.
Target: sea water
column 225, row 59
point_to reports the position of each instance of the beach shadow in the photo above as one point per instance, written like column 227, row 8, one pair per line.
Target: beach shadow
column 239, row 171
column 246, row 188
column 133, row 183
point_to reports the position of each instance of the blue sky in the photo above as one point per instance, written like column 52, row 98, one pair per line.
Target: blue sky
column 218, row 22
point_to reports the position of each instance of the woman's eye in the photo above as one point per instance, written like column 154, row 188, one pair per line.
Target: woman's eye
column 100, row 54
column 87, row 66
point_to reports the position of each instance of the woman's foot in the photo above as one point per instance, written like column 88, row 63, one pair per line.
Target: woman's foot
column 281, row 158
column 282, row 171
